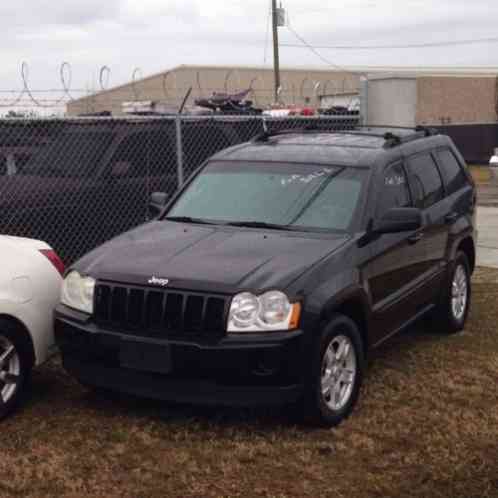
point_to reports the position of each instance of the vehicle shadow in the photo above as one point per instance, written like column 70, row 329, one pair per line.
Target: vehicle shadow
column 51, row 386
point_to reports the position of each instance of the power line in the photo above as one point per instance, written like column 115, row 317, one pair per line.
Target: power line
column 405, row 46
column 312, row 48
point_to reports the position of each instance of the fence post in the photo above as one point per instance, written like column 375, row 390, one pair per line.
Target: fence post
column 363, row 100
column 179, row 150
column 265, row 124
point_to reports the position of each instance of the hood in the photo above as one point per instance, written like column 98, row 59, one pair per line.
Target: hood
column 208, row 258
column 16, row 243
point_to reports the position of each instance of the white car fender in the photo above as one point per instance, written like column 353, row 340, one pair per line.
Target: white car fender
column 29, row 291
column 37, row 322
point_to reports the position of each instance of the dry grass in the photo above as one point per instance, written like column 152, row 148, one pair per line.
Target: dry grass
column 426, row 426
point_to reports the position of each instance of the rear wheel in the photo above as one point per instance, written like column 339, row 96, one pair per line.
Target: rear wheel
column 14, row 368
column 452, row 312
column 337, row 372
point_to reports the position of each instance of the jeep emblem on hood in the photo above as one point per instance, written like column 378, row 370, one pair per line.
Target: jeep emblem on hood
column 163, row 282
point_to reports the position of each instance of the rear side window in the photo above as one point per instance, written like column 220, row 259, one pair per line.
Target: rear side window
column 453, row 173
column 76, row 153
column 426, row 180
column 394, row 191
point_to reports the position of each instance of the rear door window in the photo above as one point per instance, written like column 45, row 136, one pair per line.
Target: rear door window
column 426, row 180
column 453, row 173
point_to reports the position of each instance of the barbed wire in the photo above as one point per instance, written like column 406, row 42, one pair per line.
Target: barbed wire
column 104, row 75
column 65, row 94
column 136, row 71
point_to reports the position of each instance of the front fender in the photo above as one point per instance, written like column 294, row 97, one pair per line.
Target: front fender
column 333, row 293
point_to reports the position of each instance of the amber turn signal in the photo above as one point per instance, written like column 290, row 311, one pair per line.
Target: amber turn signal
column 295, row 316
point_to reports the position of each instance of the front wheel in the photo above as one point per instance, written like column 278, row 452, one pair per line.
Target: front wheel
column 337, row 372
column 14, row 369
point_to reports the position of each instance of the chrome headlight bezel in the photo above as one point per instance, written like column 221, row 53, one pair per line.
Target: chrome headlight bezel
column 271, row 311
column 78, row 292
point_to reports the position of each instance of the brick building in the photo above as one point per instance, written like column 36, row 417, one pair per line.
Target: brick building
column 457, row 98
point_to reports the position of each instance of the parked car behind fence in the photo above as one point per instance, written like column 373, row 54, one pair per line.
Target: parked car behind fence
column 79, row 182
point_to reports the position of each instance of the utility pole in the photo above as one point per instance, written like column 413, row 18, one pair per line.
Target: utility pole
column 276, row 59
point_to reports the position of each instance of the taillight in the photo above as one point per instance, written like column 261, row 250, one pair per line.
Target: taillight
column 52, row 256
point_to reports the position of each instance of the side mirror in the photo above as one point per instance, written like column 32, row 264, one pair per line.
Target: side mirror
column 398, row 220
column 158, row 201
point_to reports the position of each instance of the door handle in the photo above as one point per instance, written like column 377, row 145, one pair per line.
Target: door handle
column 451, row 218
column 417, row 237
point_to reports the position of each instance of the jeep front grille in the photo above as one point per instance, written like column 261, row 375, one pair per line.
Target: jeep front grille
column 145, row 312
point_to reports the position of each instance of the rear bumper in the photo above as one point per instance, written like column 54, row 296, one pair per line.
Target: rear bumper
column 265, row 369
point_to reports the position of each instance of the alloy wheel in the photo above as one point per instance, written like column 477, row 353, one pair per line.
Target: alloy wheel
column 339, row 370
column 10, row 370
column 459, row 293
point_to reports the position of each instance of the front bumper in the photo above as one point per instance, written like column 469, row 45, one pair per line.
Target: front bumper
column 234, row 370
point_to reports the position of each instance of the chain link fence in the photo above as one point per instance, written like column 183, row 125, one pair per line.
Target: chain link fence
column 76, row 183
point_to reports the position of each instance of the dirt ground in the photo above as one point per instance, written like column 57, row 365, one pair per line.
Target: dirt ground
column 426, row 426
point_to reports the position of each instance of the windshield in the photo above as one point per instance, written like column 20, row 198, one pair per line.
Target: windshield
column 285, row 195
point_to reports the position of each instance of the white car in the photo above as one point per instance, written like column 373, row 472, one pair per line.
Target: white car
column 30, row 281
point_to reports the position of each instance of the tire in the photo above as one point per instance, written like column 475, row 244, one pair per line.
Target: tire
column 327, row 405
column 15, row 367
column 450, row 317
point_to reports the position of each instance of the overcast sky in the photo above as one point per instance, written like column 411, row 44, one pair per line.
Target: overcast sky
column 158, row 34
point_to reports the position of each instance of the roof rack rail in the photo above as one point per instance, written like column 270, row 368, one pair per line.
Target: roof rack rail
column 426, row 129
column 266, row 135
column 391, row 138
column 429, row 132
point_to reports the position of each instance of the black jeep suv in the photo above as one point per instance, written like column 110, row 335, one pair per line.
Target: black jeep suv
column 275, row 270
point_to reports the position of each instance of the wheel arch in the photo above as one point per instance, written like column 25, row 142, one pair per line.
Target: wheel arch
column 27, row 340
column 355, row 307
column 467, row 246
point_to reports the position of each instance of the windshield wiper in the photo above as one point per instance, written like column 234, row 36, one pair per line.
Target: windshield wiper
column 188, row 219
column 248, row 224
column 259, row 224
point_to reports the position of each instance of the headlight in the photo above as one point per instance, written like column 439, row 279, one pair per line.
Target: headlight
column 270, row 311
column 244, row 310
column 78, row 291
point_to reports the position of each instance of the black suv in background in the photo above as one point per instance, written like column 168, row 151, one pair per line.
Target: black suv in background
column 276, row 269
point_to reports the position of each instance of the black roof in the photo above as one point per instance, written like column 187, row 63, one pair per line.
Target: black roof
column 357, row 147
